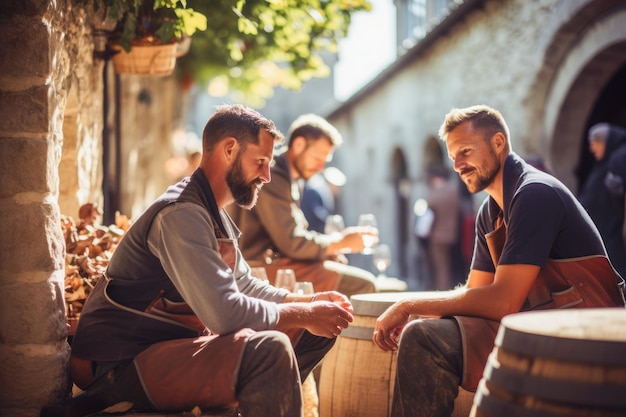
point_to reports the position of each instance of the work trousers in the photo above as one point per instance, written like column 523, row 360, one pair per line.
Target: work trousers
column 429, row 371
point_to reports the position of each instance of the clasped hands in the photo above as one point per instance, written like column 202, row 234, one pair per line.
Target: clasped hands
column 333, row 313
column 326, row 315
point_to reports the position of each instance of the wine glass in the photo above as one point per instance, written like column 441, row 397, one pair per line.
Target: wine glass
column 303, row 288
column 369, row 241
column 260, row 273
column 334, row 224
column 285, row 278
column 382, row 259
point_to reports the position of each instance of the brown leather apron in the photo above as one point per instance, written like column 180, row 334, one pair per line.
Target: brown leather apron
column 183, row 373
column 571, row 283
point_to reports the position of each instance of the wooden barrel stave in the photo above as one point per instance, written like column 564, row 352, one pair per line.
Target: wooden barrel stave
column 357, row 378
column 556, row 363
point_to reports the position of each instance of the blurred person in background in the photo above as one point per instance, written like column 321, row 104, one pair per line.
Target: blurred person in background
column 275, row 233
column 424, row 219
column 319, row 197
column 444, row 200
column 602, row 193
column 467, row 221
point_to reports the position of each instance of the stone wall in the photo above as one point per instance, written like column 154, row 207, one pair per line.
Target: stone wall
column 148, row 115
column 51, row 161
column 80, row 168
column 34, row 69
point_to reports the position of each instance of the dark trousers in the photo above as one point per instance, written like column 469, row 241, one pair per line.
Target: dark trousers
column 430, row 367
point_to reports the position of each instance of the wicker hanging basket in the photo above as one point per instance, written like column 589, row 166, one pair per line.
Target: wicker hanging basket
column 153, row 60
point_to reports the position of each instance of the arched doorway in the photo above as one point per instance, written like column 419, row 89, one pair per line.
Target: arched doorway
column 580, row 90
column 610, row 107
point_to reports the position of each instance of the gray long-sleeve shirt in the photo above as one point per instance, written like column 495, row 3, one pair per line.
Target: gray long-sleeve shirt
column 203, row 279
column 176, row 251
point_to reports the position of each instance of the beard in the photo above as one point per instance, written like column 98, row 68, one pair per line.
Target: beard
column 484, row 177
column 244, row 193
column 300, row 168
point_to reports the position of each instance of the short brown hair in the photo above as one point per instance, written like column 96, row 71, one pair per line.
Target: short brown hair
column 314, row 127
column 240, row 122
column 483, row 118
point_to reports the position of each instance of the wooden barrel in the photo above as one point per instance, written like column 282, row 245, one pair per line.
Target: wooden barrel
column 556, row 363
column 357, row 377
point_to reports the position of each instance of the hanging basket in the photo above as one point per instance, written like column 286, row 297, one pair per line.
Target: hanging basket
column 154, row 60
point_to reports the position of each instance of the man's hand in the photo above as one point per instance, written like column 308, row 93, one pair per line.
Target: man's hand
column 332, row 296
column 335, row 297
column 352, row 240
column 389, row 326
column 326, row 316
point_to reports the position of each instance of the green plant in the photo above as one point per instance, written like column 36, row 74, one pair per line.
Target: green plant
column 252, row 47
column 150, row 21
column 249, row 47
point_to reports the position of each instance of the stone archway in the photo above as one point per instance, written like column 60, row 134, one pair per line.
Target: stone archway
column 609, row 107
column 578, row 81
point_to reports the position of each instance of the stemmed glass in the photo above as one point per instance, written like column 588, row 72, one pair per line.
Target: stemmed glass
column 368, row 219
column 382, row 259
column 334, row 224
column 259, row 273
column 303, row 288
column 285, row 278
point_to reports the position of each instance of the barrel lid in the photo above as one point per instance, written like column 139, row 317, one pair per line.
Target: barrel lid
column 375, row 304
column 590, row 335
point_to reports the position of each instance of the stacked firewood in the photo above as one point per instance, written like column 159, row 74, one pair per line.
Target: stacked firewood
column 88, row 250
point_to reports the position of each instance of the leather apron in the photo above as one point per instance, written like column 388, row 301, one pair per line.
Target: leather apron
column 184, row 373
column 570, row 283
column 181, row 374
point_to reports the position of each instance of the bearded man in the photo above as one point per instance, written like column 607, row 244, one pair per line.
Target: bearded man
column 536, row 248
column 178, row 321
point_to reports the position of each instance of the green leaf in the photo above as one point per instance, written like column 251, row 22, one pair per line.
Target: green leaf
column 128, row 33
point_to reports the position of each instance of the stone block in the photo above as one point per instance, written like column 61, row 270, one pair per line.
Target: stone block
column 31, row 239
column 29, row 110
column 24, row 34
column 32, row 376
column 33, row 313
column 23, row 166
